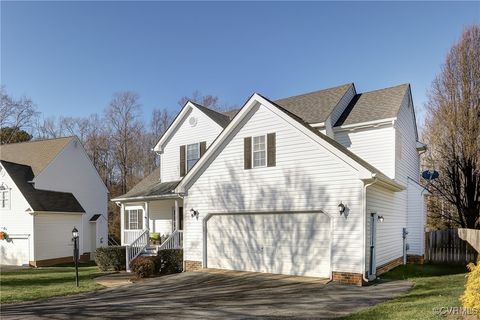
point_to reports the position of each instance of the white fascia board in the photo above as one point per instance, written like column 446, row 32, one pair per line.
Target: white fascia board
column 368, row 124
column 317, row 125
column 57, row 212
column 178, row 119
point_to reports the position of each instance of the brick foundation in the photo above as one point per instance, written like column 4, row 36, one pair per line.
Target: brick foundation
column 348, row 278
column 389, row 265
column 192, row 265
column 51, row 262
column 415, row 259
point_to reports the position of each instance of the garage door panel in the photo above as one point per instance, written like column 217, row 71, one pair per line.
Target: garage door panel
column 287, row 243
column 15, row 252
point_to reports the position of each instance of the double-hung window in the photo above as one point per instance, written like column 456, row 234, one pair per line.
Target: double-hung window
column 259, row 152
column 5, row 199
column 134, row 217
column 193, row 154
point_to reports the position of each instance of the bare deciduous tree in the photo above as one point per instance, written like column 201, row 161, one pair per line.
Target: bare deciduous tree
column 452, row 131
column 208, row 101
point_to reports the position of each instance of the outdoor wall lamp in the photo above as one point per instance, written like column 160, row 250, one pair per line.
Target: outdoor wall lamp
column 193, row 213
column 380, row 219
column 341, row 208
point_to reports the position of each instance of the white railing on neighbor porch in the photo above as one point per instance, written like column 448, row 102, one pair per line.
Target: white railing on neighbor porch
column 135, row 248
column 174, row 241
column 131, row 235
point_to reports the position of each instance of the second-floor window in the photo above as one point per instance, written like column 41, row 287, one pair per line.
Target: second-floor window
column 193, row 154
column 5, row 199
column 259, row 151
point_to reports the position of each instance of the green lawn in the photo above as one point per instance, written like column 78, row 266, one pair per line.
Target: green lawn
column 45, row 282
column 435, row 286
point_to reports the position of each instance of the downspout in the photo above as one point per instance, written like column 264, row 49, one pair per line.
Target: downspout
column 364, row 203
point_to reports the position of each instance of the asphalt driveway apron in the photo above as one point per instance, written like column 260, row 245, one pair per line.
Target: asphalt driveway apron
column 213, row 295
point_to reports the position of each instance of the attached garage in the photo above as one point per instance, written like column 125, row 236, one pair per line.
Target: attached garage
column 282, row 242
column 15, row 251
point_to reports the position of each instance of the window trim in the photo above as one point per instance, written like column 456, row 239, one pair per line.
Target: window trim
column 186, row 155
column 139, row 210
column 265, row 150
column 7, row 191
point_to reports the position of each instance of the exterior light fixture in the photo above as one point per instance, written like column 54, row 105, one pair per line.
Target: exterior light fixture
column 380, row 219
column 2, row 187
column 341, row 208
column 193, row 213
column 75, row 252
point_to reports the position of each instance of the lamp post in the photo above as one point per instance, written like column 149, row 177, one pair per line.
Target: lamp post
column 75, row 252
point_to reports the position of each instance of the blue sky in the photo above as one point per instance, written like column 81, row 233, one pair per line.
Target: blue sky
column 70, row 57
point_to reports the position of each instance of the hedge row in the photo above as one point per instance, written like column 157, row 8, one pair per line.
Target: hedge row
column 111, row 258
column 166, row 262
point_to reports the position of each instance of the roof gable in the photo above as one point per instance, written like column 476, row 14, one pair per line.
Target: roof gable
column 40, row 200
column 217, row 118
column 35, row 154
column 366, row 171
column 374, row 105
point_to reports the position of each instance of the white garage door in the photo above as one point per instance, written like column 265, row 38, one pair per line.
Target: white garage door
column 14, row 252
column 284, row 243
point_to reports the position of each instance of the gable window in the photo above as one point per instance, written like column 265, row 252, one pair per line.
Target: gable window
column 4, row 197
column 259, row 153
column 193, row 154
column 135, row 218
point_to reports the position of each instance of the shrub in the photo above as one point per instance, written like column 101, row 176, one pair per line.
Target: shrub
column 471, row 296
column 145, row 266
column 171, row 261
column 110, row 258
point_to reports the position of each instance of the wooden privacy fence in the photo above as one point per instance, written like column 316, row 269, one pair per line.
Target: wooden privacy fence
column 445, row 246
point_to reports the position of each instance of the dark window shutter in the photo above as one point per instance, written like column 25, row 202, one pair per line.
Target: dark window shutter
column 271, row 150
column 140, row 219
column 247, row 153
column 125, row 219
column 182, row 161
column 203, row 147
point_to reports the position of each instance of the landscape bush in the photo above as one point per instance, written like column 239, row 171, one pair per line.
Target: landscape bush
column 171, row 261
column 145, row 266
column 471, row 297
column 110, row 258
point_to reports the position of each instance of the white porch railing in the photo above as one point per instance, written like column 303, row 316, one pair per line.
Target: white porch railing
column 131, row 235
column 174, row 241
column 135, row 248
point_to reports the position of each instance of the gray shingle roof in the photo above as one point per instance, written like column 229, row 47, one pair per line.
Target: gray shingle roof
column 35, row 154
column 40, row 200
column 219, row 118
column 374, row 105
column 150, row 186
column 315, row 107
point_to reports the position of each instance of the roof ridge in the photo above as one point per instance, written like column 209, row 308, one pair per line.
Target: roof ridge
column 316, row 91
column 39, row 140
column 387, row 88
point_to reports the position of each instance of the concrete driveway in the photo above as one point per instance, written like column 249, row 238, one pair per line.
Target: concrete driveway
column 213, row 295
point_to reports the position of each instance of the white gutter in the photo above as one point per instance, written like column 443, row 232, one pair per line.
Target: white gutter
column 374, row 123
column 170, row 196
column 364, row 203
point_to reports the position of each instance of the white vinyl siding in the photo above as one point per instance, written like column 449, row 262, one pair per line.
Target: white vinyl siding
column 306, row 177
column 204, row 130
column 53, row 234
column 416, row 219
column 374, row 145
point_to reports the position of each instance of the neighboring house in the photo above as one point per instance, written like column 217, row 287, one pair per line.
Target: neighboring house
column 47, row 188
column 322, row 184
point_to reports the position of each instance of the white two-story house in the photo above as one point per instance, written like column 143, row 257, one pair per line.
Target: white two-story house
column 47, row 188
column 322, row 184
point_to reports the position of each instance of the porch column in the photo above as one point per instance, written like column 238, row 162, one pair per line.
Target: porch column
column 177, row 216
column 122, row 224
column 146, row 216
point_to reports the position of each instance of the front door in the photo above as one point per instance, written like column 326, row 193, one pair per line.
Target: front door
column 373, row 235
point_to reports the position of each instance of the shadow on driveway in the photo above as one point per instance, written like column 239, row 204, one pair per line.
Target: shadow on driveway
column 212, row 295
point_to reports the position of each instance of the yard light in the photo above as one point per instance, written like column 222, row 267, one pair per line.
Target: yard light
column 75, row 252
